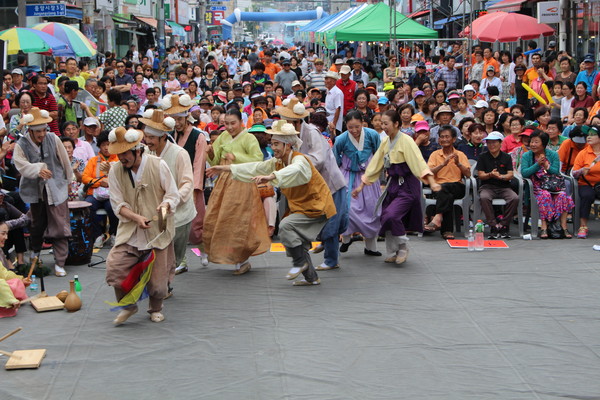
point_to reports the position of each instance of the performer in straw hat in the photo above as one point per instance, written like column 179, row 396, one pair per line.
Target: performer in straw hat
column 156, row 129
column 140, row 186
column 316, row 148
column 195, row 143
column 45, row 169
column 309, row 199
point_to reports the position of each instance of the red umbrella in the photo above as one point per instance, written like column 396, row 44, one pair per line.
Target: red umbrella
column 506, row 27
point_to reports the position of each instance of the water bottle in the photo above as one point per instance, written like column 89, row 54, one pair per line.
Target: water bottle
column 479, row 235
column 77, row 285
column 471, row 241
column 33, row 287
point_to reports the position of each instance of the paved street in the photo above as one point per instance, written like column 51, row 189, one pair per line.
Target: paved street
column 511, row 324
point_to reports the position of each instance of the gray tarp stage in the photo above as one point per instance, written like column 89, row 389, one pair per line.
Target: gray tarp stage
column 503, row 324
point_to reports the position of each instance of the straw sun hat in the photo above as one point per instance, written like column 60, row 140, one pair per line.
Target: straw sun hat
column 121, row 140
column 156, row 123
column 37, row 117
column 176, row 104
column 292, row 109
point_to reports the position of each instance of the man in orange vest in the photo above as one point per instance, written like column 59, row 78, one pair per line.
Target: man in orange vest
column 309, row 200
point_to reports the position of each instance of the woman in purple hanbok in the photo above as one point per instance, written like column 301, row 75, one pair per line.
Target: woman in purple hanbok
column 353, row 151
column 401, row 201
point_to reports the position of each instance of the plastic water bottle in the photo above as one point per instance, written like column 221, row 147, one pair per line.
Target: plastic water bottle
column 479, row 235
column 33, row 287
column 471, row 241
column 77, row 285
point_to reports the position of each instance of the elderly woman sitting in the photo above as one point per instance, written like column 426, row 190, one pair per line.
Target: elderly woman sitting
column 543, row 167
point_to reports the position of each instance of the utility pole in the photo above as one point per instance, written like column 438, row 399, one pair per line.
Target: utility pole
column 22, row 13
column 87, row 24
column 202, row 20
column 160, row 28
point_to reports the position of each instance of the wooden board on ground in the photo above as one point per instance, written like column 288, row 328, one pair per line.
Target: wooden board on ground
column 280, row 248
column 487, row 244
column 49, row 303
column 24, row 359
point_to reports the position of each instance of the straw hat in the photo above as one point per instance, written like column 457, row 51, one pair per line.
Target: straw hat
column 282, row 128
column 121, row 140
column 176, row 104
column 37, row 117
column 157, row 122
column 292, row 109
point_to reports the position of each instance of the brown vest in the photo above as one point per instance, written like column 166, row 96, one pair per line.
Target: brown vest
column 144, row 199
column 312, row 199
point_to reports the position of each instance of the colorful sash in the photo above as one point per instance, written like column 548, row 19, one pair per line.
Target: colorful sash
column 134, row 284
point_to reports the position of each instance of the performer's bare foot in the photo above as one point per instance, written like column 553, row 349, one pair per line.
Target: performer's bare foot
column 124, row 315
column 157, row 317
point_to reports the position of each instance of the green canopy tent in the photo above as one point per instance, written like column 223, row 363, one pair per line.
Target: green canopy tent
column 373, row 25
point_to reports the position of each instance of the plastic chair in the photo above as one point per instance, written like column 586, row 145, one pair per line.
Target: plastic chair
column 497, row 202
column 464, row 203
column 577, row 210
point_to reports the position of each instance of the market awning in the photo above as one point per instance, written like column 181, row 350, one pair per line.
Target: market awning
column 419, row 14
column 119, row 19
column 177, row 29
column 74, row 12
column 439, row 24
column 505, row 5
column 152, row 23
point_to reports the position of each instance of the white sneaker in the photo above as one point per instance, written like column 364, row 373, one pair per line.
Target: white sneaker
column 204, row 260
column 596, row 247
column 59, row 271
column 110, row 242
column 99, row 242
column 181, row 269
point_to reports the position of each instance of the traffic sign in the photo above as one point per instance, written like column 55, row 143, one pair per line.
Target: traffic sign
column 218, row 8
column 46, row 10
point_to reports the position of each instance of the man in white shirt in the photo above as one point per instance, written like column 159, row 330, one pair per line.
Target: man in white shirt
column 150, row 55
column 334, row 103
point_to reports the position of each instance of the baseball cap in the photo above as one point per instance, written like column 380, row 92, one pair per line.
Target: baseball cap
column 520, row 67
column 416, row 118
column 495, row 98
column 526, row 132
column 453, row 96
column 295, row 83
column 339, row 61
column 358, row 60
column 318, row 61
column 237, row 86
column 421, row 126
column 285, row 61
column 383, row 100
column 552, row 43
column 419, row 93
column 490, row 68
column 91, row 121
column 495, row 135
column 18, row 71
column 468, row 87
column 587, row 58
column 421, row 65
column 481, row 104
column 321, row 110
column 345, row 70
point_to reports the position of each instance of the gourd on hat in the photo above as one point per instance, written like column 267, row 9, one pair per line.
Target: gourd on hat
column 292, row 109
column 121, row 140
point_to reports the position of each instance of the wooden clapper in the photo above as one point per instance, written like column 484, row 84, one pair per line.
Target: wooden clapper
column 22, row 359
